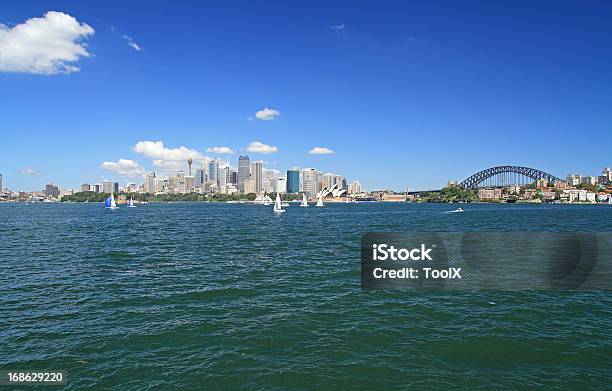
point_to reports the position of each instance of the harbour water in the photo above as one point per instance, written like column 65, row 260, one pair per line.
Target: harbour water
column 218, row 296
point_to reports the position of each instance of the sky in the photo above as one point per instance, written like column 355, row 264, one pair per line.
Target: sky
column 395, row 94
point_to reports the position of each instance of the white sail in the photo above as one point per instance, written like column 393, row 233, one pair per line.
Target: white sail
column 113, row 205
column 320, row 201
column 278, row 204
column 304, row 201
column 131, row 203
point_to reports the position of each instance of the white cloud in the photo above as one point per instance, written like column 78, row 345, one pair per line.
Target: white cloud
column 157, row 150
column 29, row 171
column 320, row 151
column 167, row 160
column 131, row 43
column 338, row 28
column 259, row 147
column 267, row 114
column 125, row 167
column 46, row 46
column 219, row 150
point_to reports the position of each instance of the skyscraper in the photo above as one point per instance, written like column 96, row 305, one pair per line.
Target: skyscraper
column 200, row 178
column 356, row 187
column 293, row 181
column 281, row 185
column 1, row 183
column 329, row 180
column 213, row 172
column 51, row 190
column 150, row 183
column 244, row 171
column 257, row 175
column 310, row 181
column 108, row 187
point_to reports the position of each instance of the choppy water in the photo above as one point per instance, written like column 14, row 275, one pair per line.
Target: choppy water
column 221, row 296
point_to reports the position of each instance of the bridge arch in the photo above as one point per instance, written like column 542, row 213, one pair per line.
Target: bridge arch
column 473, row 181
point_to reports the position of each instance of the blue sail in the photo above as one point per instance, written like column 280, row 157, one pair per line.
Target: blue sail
column 108, row 202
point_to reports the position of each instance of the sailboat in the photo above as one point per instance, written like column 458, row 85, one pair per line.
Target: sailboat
column 320, row 201
column 278, row 204
column 304, row 201
column 267, row 200
column 110, row 202
column 131, row 203
column 609, row 199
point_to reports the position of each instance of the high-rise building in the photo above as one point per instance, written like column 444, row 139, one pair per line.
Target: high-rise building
column 233, row 177
column 150, row 183
column 607, row 172
column 281, row 185
column 97, row 188
column 293, row 181
column 108, row 187
column 116, row 187
column 356, row 187
column 189, row 183
column 244, row 172
column 1, row 183
column 257, row 176
column 341, row 182
column 310, row 182
column 52, row 191
column 200, row 178
column 225, row 176
column 213, row 171
column 329, row 180
column 249, row 186
column 85, row 187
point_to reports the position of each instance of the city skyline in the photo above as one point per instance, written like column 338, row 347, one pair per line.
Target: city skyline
column 404, row 96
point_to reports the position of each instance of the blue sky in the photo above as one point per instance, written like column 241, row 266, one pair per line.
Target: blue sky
column 405, row 94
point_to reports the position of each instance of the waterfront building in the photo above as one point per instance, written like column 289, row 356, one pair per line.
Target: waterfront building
column 244, row 172
column 329, row 180
column 249, row 186
column 97, row 188
column 491, row 194
column 356, row 187
column 293, row 181
column 561, row 185
column 200, row 177
column 541, row 183
column 257, row 176
column 453, row 183
column 189, row 183
column 213, row 171
column 281, row 185
column 233, row 177
column 573, row 179
column 310, row 181
column 588, row 180
column 226, row 176
column 606, row 172
column 150, row 183
column 108, row 187
column 341, row 182
column 51, row 190
column 85, row 187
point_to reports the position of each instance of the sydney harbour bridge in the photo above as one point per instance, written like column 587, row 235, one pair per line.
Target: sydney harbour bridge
column 506, row 176
column 502, row 176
